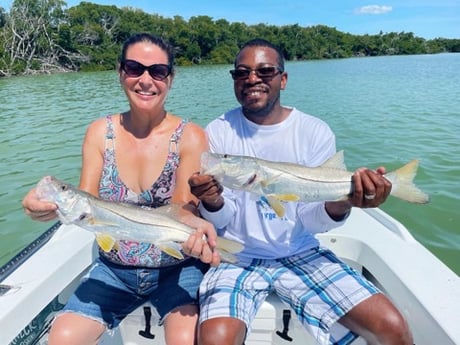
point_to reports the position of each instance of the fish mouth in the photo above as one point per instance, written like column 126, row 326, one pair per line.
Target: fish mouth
column 45, row 188
column 51, row 190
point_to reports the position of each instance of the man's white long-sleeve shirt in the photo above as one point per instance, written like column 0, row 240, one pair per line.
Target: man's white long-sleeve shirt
column 247, row 217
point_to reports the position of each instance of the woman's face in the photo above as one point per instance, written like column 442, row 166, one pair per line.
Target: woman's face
column 144, row 92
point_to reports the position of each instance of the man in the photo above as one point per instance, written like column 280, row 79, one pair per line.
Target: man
column 334, row 303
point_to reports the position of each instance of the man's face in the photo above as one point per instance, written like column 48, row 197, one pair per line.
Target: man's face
column 259, row 95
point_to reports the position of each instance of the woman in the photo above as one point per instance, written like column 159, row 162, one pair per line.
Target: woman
column 144, row 156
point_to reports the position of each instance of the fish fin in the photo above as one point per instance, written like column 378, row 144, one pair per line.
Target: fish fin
column 343, row 198
column 337, row 161
column 94, row 221
column 105, row 241
column 265, row 183
column 116, row 246
column 287, row 197
column 229, row 246
column 403, row 185
column 227, row 257
column 276, row 205
column 172, row 248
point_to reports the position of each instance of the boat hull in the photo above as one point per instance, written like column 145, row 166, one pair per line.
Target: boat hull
column 370, row 241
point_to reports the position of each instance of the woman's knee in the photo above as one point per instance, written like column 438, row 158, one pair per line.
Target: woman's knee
column 180, row 326
column 184, row 337
column 73, row 329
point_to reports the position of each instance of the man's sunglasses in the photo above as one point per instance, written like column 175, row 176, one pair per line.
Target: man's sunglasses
column 262, row 72
column 135, row 69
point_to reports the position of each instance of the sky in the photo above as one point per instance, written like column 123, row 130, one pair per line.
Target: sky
column 425, row 18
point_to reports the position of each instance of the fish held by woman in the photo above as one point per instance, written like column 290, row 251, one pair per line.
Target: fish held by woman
column 280, row 181
column 111, row 221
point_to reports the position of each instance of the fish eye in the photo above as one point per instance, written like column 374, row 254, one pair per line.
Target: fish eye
column 225, row 155
column 82, row 216
column 63, row 187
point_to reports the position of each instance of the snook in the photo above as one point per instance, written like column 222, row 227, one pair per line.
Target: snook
column 278, row 181
column 111, row 221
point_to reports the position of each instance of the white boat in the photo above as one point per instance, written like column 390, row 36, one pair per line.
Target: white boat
column 37, row 282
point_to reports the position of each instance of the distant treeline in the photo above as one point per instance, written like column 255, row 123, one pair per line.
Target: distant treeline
column 45, row 36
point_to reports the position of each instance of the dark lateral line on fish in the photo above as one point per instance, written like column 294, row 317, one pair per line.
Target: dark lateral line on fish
column 250, row 180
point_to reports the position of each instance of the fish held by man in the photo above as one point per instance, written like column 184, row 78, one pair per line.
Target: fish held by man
column 111, row 221
column 280, row 181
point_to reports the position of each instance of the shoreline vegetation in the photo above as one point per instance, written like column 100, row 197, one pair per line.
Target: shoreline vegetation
column 43, row 37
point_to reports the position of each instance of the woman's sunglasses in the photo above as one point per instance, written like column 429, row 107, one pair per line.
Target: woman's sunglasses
column 268, row 72
column 135, row 69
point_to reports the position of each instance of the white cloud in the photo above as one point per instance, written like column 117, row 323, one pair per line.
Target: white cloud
column 373, row 9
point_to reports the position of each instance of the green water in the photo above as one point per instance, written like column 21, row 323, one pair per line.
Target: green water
column 384, row 111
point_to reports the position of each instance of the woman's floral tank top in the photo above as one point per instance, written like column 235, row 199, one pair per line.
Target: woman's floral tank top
column 111, row 187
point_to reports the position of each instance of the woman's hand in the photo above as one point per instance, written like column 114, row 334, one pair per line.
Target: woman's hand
column 37, row 209
column 202, row 242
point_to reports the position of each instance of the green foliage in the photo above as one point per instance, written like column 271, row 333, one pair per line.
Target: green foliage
column 223, row 54
column 3, row 17
column 88, row 37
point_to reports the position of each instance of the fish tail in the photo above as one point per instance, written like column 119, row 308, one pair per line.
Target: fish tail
column 229, row 245
column 227, row 249
column 403, row 185
column 227, row 257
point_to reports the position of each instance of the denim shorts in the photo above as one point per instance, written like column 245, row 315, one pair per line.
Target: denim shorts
column 109, row 292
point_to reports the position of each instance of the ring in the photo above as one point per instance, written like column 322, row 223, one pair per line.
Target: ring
column 369, row 196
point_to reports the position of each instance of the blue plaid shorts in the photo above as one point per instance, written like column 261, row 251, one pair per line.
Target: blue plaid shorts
column 317, row 286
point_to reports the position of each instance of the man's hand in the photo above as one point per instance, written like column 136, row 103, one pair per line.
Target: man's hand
column 370, row 189
column 207, row 190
